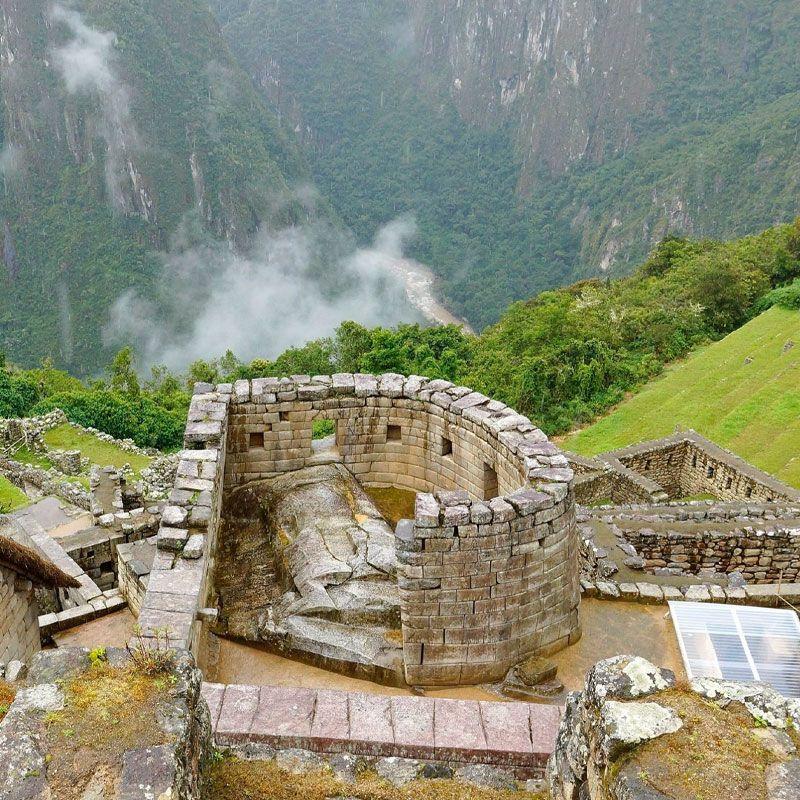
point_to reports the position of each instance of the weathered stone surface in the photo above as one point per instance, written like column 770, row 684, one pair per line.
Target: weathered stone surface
column 762, row 701
column 194, row 546
column 15, row 671
column 783, row 780
column 625, row 725
column 398, row 771
column 626, row 677
column 145, row 773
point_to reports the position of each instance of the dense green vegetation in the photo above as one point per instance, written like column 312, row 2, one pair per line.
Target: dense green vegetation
column 714, row 151
column 742, row 392
column 210, row 157
column 569, row 354
column 562, row 357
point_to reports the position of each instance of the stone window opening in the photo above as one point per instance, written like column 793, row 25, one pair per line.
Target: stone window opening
column 748, row 492
column 447, row 447
column 325, row 436
column 257, row 440
column 729, row 483
column 694, row 460
column 284, row 416
column 490, row 483
column 710, row 472
column 196, row 446
column 648, row 464
column 394, row 433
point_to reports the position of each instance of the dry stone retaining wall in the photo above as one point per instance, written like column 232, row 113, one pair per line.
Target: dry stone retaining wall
column 760, row 555
column 687, row 464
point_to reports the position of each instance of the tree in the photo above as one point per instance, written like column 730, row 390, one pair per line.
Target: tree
column 123, row 374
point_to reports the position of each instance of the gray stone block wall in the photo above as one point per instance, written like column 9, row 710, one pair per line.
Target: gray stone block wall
column 490, row 566
column 484, row 586
column 19, row 618
column 766, row 555
column 687, row 464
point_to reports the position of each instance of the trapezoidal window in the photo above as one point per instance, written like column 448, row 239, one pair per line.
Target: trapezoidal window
column 257, row 441
column 447, row 446
column 490, row 486
column 710, row 472
column 729, row 483
column 694, row 460
column 394, row 433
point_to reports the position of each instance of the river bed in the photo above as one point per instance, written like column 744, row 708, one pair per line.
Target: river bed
column 420, row 282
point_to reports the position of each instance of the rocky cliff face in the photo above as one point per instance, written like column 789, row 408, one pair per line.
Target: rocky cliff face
column 122, row 125
column 570, row 76
column 536, row 141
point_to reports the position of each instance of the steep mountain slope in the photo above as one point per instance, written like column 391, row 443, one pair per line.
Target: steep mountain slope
column 743, row 392
column 127, row 127
column 536, row 141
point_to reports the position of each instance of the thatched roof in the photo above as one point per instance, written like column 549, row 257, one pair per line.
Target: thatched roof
column 31, row 565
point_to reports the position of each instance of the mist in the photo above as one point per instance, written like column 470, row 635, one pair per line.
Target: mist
column 292, row 286
column 87, row 65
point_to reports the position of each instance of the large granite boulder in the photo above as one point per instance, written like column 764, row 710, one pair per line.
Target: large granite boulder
column 331, row 552
column 730, row 736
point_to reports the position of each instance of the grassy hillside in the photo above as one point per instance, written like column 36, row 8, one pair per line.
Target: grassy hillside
column 743, row 392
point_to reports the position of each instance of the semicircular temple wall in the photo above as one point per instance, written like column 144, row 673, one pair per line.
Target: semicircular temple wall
column 489, row 568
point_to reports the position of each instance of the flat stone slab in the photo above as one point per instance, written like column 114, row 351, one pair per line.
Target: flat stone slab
column 329, row 721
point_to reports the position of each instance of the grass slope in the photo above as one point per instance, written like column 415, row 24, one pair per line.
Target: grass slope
column 11, row 498
column 751, row 408
column 67, row 437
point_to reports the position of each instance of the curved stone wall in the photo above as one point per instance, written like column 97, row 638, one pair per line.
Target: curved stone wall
column 489, row 567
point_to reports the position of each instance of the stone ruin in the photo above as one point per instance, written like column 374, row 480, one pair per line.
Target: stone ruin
column 684, row 464
column 485, row 575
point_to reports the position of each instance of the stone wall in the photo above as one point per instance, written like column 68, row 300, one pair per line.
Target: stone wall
column 47, row 482
column 487, row 580
column 619, row 486
column 178, row 588
column 687, row 464
column 761, row 555
column 19, row 617
column 485, row 585
column 389, row 432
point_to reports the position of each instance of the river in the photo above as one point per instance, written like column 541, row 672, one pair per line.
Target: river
column 420, row 283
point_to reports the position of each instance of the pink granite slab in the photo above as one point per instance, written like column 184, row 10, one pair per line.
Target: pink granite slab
column 458, row 731
column 508, row 733
column 284, row 716
column 239, row 706
column 213, row 693
column 412, row 719
column 544, row 721
column 330, row 727
column 371, row 731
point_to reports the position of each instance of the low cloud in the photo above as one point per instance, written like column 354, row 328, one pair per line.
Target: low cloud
column 87, row 65
column 292, row 286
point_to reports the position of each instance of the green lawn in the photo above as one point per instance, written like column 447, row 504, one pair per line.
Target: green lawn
column 11, row 498
column 751, row 408
column 65, row 437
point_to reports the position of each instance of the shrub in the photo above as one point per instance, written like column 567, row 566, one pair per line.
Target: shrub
column 783, row 296
column 137, row 418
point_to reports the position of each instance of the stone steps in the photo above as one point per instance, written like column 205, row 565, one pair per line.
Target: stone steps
column 518, row 735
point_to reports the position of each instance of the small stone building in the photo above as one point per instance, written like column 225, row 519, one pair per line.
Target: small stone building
column 21, row 571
